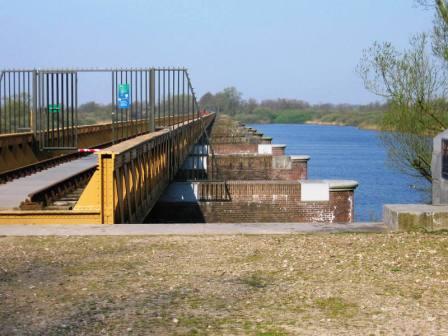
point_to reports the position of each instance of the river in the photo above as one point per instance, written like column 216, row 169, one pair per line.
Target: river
column 344, row 152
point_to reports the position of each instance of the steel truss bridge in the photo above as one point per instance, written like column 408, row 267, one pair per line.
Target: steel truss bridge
column 48, row 173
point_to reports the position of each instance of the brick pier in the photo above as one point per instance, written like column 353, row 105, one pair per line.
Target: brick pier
column 255, row 182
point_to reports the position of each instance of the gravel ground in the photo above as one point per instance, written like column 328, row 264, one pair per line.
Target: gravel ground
column 316, row 284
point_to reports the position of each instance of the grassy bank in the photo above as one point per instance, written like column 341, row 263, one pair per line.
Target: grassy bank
column 369, row 119
column 225, row 285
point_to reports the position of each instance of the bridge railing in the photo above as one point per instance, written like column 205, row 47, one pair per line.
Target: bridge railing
column 45, row 102
column 161, row 95
column 16, row 92
column 132, row 175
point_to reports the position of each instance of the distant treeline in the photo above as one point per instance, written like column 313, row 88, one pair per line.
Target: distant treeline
column 92, row 113
column 13, row 112
column 229, row 101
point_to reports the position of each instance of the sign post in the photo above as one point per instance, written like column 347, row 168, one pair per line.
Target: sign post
column 123, row 96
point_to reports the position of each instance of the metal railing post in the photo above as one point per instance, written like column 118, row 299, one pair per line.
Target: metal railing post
column 113, row 113
column 2, row 125
column 152, row 98
column 33, row 109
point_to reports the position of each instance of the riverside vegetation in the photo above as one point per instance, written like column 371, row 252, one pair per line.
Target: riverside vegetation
column 292, row 111
column 279, row 111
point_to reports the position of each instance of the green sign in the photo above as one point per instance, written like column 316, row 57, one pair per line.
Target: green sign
column 54, row 108
column 123, row 96
column 123, row 90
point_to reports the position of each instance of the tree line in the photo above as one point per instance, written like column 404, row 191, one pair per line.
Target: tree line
column 283, row 110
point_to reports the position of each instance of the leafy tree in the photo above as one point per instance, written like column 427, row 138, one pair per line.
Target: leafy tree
column 207, row 100
column 440, row 31
column 414, row 83
column 250, row 105
column 227, row 101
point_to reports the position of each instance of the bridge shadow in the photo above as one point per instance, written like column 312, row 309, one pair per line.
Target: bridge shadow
column 178, row 204
column 177, row 213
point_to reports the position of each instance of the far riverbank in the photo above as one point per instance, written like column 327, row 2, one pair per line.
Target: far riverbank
column 362, row 126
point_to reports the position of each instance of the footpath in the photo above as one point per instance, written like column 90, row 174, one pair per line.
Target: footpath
column 185, row 229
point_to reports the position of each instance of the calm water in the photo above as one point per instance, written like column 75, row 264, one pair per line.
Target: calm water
column 341, row 152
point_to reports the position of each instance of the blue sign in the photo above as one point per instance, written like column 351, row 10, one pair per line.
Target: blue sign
column 123, row 96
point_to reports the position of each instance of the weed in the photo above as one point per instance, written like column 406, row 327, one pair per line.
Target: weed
column 336, row 307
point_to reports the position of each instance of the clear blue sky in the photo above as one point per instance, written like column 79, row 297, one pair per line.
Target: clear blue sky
column 305, row 49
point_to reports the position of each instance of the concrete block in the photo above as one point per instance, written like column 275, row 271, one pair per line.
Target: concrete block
column 281, row 162
column 264, row 149
column 314, row 191
column 415, row 217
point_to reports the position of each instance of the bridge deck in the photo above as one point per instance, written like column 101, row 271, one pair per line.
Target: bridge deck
column 17, row 191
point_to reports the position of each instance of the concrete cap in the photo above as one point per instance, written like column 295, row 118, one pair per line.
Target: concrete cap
column 278, row 146
column 300, row 157
column 340, row 185
column 417, row 208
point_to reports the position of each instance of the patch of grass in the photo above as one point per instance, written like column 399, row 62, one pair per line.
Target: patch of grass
column 100, row 266
column 204, row 324
column 254, row 257
column 442, row 232
column 194, row 324
column 272, row 333
column 256, row 280
column 336, row 307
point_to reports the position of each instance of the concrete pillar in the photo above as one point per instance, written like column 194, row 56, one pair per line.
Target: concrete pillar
column 439, row 169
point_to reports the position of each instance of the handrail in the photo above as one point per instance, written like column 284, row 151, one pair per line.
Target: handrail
column 133, row 174
column 92, row 69
column 35, row 98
